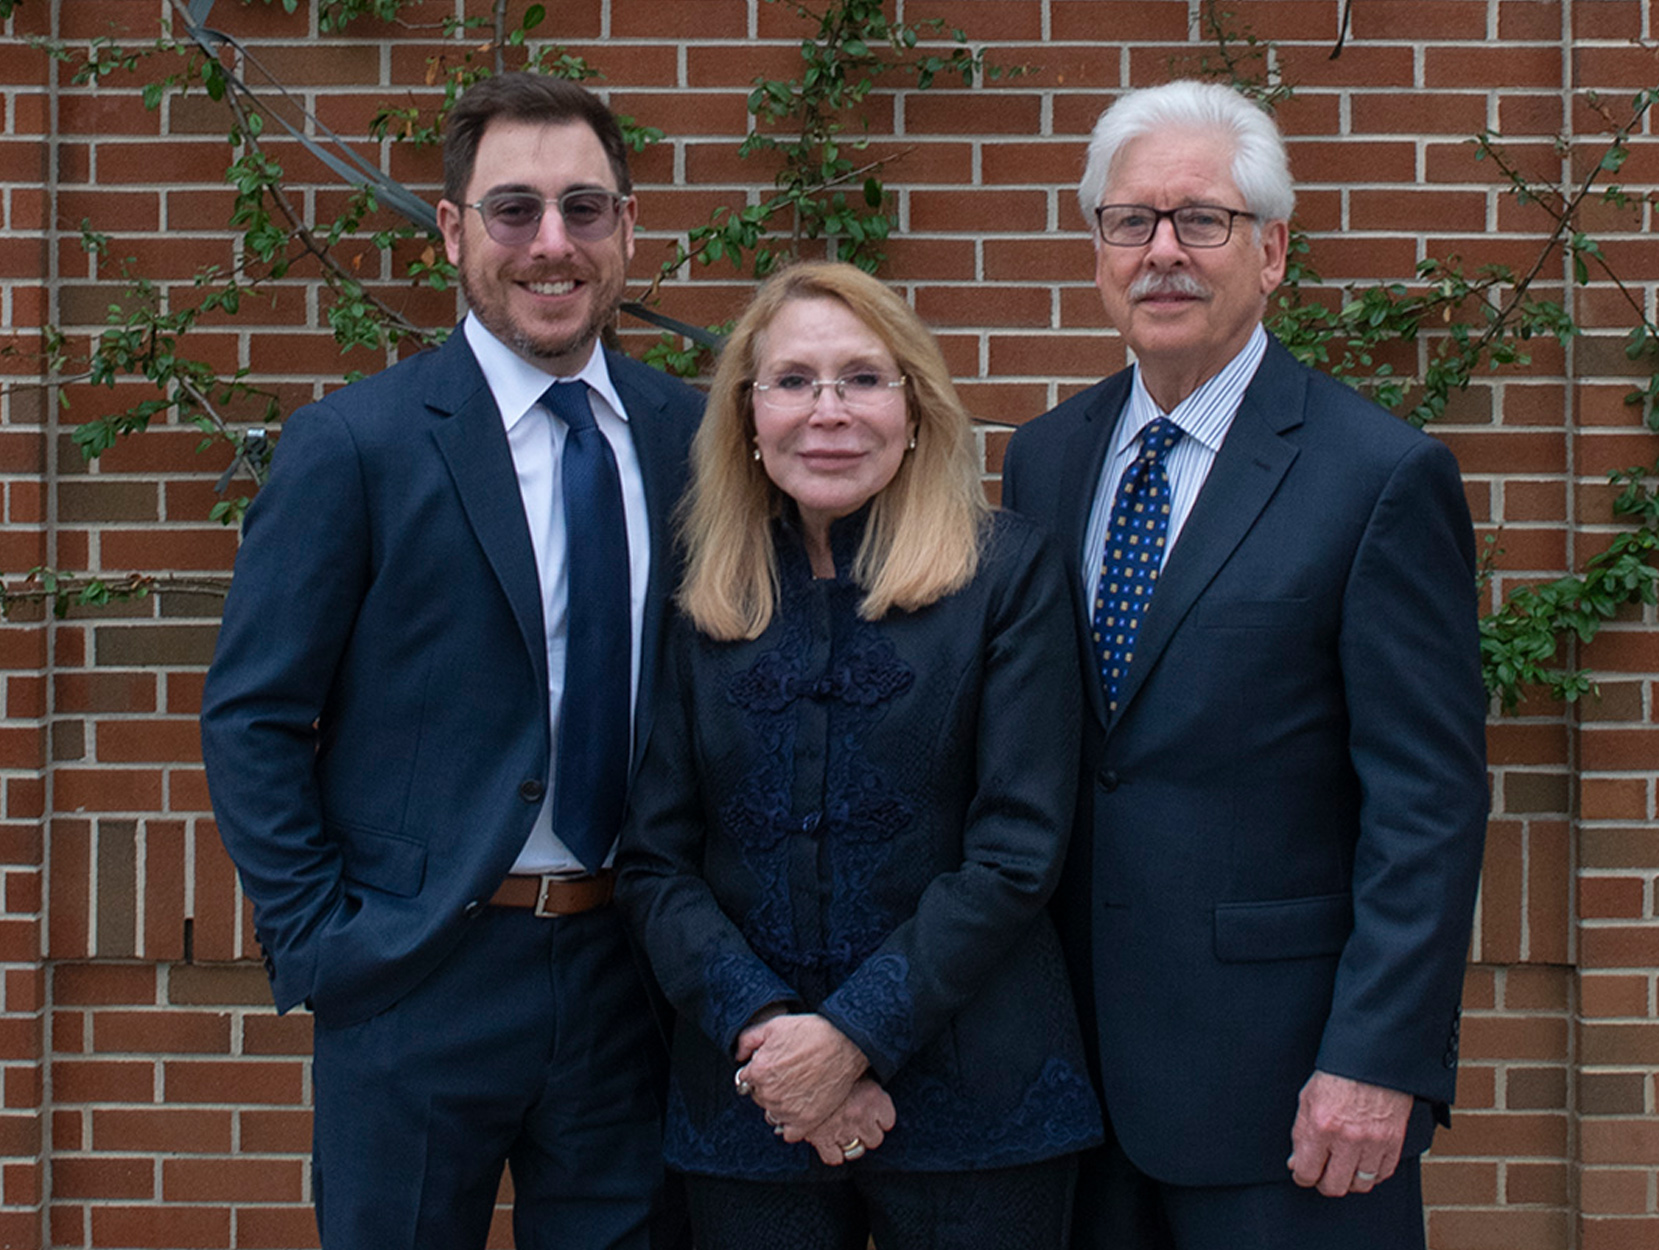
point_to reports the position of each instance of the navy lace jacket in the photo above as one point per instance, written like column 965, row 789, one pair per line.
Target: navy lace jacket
column 866, row 819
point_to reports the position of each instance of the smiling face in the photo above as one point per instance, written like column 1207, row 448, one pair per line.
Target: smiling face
column 830, row 459
column 1185, row 312
column 548, row 299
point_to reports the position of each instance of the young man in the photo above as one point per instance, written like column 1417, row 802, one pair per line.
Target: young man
column 436, row 659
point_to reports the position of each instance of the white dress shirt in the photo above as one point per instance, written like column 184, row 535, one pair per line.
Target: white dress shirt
column 537, row 439
column 1205, row 416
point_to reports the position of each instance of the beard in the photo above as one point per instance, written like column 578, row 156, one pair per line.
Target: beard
column 550, row 343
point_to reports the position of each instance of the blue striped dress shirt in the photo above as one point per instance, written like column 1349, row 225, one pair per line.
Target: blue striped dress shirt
column 1205, row 416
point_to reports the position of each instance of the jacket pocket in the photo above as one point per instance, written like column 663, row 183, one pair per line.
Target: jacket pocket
column 1295, row 928
column 383, row 861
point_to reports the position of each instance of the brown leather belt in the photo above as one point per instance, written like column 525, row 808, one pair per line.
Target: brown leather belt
column 556, row 896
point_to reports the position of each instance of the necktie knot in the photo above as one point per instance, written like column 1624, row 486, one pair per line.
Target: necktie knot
column 569, row 402
column 1157, row 437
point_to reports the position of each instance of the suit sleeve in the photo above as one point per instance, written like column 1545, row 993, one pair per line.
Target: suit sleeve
column 701, row 960
column 1410, row 662
column 300, row 576
column 1014, row 838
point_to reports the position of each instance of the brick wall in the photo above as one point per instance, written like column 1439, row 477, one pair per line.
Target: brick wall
column 150, row 1097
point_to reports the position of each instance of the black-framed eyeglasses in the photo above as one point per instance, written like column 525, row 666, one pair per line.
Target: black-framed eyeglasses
column 513, row 218
column 1196, row 225
column 864, row 390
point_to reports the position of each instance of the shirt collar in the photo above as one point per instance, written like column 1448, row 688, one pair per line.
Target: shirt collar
column 1206, row 414
column 518, row 385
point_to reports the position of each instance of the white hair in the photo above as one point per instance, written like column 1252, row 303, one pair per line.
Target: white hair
column 1261, row 168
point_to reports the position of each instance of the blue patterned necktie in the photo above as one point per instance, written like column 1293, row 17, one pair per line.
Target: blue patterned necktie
column 1134, row 553
column 591, row 777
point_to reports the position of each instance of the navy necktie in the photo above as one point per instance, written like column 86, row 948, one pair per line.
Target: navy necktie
column 1133, row 555
column 591, row 776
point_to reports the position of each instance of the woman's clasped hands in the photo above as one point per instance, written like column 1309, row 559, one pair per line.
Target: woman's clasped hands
column 811, row 1082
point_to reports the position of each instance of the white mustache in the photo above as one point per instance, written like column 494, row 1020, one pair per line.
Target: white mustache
column 1168, row 282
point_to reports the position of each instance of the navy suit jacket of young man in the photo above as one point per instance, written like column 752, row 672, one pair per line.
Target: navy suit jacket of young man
column 1280, row 830
column 375, row 723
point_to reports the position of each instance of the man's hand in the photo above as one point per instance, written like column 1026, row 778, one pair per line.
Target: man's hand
column 799, row 1069
column 858, row 1125
column 1347, row 1134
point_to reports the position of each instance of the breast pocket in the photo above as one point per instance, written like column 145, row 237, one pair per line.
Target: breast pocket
column 1275, row 614
column 1295, row 928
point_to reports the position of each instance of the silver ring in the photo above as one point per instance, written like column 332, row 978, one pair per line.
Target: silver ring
column 853, row 1149
column 744, row 1089
column 1364, row 1176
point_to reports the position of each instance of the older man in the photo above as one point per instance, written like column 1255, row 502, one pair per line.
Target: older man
column 1270, row 888
column 419, row 723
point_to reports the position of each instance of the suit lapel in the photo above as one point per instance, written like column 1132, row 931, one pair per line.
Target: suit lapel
column 1253, row 459
column 647, row 425
column 473, row 443
column 1083, row 459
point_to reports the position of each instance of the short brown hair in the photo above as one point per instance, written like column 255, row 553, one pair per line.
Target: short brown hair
column 531, row 98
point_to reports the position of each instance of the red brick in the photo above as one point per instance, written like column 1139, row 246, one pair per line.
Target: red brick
column 276, row 1228
column 165, row 1032
column 276, row 1035
column 272, row 1082
column 1613, row 1191
column 102, row 985
column 103, row 1081
column 152, row 740
column 166, row 1129
column 1619, row 1141
column 103, row 1177
column 1602, row 898
column 276, row 1130
column 232, row 1180
column 1604, row 994
column 1498, row 1229
column 160, row 1226
column 108, row 790
column 1504, row 1134
column 1456, row 1182
column 1618, row 1234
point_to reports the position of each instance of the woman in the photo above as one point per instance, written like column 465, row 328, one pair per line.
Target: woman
column 855, row 803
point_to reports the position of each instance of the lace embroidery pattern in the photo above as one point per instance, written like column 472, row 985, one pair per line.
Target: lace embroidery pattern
column 735, row 988
column 862, row 811
column 878, row 999
column 1056, row 1115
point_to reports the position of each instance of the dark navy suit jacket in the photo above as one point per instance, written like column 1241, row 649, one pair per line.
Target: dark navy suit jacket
column 1280, row 831
column 375, row 723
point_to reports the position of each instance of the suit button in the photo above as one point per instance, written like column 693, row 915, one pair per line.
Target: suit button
column 531, row 791
column 472, row 908
column 1108, row 779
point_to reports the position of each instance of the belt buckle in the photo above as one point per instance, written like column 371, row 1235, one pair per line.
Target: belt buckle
column 542, row 891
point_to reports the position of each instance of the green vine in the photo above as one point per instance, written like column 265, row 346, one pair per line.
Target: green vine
column 826, row 187
column 822, row 192
column 1467, row 322
column 1520, row 642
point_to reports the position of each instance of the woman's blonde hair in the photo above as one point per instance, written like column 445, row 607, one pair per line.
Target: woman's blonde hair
column 923, row 538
